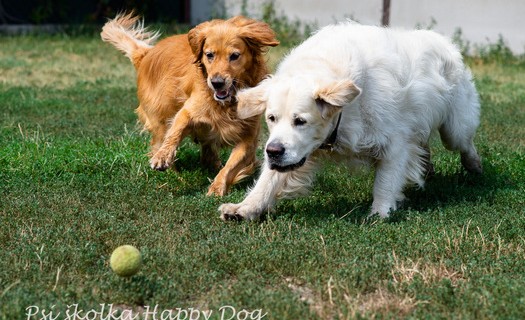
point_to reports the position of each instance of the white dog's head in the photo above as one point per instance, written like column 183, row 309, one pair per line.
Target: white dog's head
column 300, row 114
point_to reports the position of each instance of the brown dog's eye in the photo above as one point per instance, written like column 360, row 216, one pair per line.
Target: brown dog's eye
column 210, row 55
column 234, row 56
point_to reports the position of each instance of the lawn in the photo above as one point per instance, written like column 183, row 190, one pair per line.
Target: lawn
column 75, row 184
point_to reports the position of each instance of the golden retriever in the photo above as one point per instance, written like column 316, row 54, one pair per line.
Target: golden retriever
column 187, row 86
column 362, row 93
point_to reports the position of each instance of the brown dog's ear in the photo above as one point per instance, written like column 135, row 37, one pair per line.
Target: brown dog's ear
column 334, row 96
column 196, row 38
column 257, row 34
column 252, row 101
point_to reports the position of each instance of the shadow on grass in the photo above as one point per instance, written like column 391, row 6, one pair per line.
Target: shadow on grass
column 461, row 187
column 192, row 178
column 334, row 200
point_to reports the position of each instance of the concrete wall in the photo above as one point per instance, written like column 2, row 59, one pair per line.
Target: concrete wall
column 481, row 21
column 202, row 10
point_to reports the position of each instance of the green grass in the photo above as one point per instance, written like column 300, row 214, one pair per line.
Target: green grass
column 75, row 184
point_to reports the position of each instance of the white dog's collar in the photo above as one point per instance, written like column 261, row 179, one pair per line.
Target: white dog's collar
column 328, row 144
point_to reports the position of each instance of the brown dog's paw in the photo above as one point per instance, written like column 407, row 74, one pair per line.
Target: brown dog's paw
column 217, row 189
column 162, row 160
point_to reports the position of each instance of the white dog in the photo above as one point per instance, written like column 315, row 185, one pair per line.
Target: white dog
column 365, row 93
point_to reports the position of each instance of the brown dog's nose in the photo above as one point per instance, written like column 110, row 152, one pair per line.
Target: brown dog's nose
column 217, row 82
column 275, row 150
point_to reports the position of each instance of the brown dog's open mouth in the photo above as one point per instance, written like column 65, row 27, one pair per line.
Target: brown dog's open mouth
column 223, row 94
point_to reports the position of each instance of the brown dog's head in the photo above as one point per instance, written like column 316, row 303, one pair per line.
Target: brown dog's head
column 229, row 53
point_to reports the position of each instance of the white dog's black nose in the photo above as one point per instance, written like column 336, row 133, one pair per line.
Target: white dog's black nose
column 218, row 82
column 275, row 150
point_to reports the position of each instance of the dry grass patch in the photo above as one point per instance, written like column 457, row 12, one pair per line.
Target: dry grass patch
column 382, row 301
column 338, row 301
column 379, row 302
column 313, row 299
column 488, row 242
column 406, row 271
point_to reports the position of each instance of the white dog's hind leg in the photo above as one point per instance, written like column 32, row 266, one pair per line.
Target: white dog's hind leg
column 458, row 130
column 459, row 137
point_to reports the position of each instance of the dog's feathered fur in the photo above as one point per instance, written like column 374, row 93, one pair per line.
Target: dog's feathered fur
column 392, row 88
column 187, row 85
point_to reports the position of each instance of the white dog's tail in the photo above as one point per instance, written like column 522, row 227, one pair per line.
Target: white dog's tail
column 128, row 34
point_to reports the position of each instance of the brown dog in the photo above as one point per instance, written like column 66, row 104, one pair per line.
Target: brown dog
column 187, row 86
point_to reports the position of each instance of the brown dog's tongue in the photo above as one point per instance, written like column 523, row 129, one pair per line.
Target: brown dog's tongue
column 222, row 93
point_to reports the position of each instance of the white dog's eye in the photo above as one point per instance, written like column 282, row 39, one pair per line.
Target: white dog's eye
column 299, row 121
column 271, row 118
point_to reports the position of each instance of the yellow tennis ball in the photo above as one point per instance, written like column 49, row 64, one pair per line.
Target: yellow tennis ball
column 125, row 260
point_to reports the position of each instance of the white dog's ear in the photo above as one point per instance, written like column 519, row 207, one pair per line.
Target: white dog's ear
column 332, row 97
column 252, row 101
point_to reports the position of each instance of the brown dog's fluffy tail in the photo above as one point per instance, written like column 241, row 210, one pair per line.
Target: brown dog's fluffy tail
column 128, row 34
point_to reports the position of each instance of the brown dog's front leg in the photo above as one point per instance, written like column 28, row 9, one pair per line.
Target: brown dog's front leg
column 165, row 156
column 242, row 161
column 241, row 164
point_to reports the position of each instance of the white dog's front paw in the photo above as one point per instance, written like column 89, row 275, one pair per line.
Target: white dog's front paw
column 238, row 212
column 381, row 210
column 382, row 215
